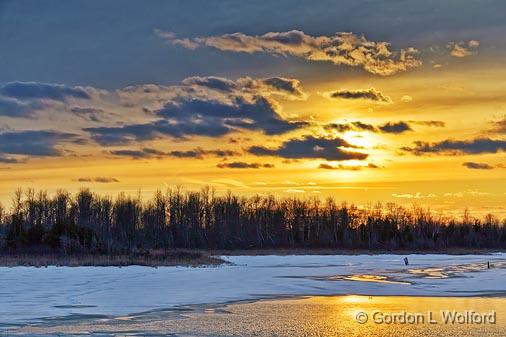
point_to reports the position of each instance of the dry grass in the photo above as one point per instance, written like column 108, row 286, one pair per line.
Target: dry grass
column 152, row 259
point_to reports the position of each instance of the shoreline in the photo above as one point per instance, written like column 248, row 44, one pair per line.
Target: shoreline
column 199, row 258
column 186, row 258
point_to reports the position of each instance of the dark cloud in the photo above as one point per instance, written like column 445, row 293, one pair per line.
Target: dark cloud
column 287, row 85
column 342, row 48
column 363, row 126
column 477, row 166
column 311, row 147
column 34, row 90
column 88, row 113
column 12, row 107
column 370, row 94
column 188, row 116
column 352, row 126
column 153, row 152
column 197, row 153
column 390, row 127
column 216, row 83
column 457, row 147
column 200, row 153
column 157, row 129
column 35, row 143
column 437, row 124
column 258, row 114
column 340, row 167
column 398, row 127
column 499, row 126
column 8, row 160
column 139, row 154
column 23, row 99
column 326, row 166
column 244, row 165
column 103, row 180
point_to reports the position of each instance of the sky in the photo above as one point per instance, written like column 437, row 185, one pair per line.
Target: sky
column 392, row 101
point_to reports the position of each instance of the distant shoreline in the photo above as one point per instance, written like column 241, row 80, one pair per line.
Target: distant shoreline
column 170, row 258
column 196, row 258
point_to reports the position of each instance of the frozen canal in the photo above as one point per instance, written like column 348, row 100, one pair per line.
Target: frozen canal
column 30, row 295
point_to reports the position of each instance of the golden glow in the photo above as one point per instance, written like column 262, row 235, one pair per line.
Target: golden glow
column 467, row 97
column 316, row 316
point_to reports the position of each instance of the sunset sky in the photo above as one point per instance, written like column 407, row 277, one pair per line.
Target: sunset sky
column 365, row 101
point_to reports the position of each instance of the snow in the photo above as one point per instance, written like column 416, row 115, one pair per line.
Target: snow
column 28, row 294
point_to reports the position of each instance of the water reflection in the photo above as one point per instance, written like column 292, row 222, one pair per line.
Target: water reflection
column 311, row 316
column 363, row 278
column 454, row 270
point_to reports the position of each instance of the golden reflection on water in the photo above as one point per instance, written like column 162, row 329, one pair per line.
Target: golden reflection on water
column 315, row 316
column 367, row 278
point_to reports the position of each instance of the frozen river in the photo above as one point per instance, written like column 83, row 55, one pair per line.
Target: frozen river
column 38, row 295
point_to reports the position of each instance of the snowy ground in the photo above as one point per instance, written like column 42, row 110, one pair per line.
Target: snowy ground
column 28, row 294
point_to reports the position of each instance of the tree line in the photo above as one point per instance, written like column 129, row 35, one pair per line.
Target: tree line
column 90, row 223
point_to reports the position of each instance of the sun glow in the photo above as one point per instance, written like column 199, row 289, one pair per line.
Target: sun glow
column 365, row 140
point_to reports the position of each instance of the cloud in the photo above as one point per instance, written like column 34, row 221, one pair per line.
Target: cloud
column 35, row 90
column 139, row 154
column 88, row 113
column 35, row 143
column 351, row 126
column 341, row 48
column 244, row 165
column 196, row 117
column 258, row 113
column 294, row 190
column 463, row 49
column 102, row 180
column 121, row 135
column 12, row 107
column 396, row 128
column 370, row 94
column 457, row 147
column 418, row 195
column 346, row 167
column 477, row 166
column 436, row 124
column 211, row 82
column 339, row 167
column 390, row 127
column 310, row 147
column 499, row 126
column 200, row 153
column 8, row 160
column 23, row 99
column 287, row 87
column 406, row 99
column 472, row 193
column 205, row 106
column 197, row 153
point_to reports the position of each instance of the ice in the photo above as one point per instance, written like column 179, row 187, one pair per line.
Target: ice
column 28, row 294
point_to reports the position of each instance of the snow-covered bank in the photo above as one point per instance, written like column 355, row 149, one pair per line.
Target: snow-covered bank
column 28, row 293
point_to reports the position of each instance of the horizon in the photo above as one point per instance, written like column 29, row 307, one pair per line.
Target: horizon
column 399, row 102
column 463, row 215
